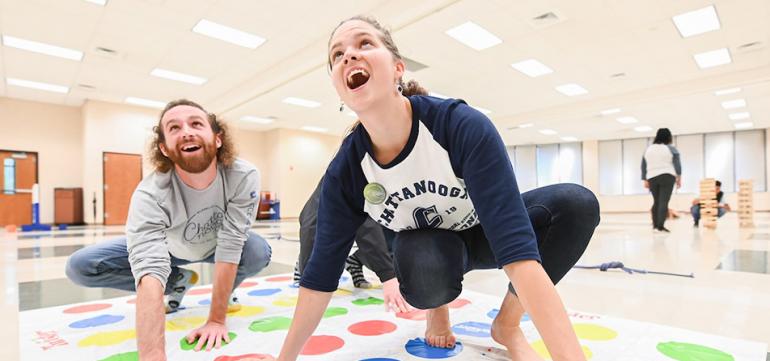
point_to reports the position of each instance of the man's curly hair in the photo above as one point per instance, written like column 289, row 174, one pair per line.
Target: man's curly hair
column 225, row 154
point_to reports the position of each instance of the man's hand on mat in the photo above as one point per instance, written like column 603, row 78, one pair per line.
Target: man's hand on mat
column 211, row 334
column 394, row 301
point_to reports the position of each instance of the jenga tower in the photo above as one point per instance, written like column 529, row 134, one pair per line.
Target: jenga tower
column 708, row 202
column 746, row 203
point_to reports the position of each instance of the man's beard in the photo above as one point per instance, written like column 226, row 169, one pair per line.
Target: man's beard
column 196, row 163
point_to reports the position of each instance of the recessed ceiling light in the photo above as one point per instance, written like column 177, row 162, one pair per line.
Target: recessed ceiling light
column 172, row 75
column 228, row 34
column 302, row 102
column 739, row 116
column 744, row 125
column 571, row 89
column 569, row 139
column 733, row 104
column 643, row 128
column 42, row 48
column 547, row 131
column 697, row 22
column 526, row 125
column 438, row 95
column 627, row 120
column 38, row 85
column 474, row 36
column 482, row 110
column 713, row 58
column 258, row 120
column 610, row 111
column 311, row 128
column 532, row 68
column 727, row 91
column 146, row 102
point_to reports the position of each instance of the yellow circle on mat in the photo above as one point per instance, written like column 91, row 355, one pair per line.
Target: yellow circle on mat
column 285, row 301
column 247, row 311
column 539, row 347
column 107, row 338
column 342, row 292
column 587, row 331
column 184, row 323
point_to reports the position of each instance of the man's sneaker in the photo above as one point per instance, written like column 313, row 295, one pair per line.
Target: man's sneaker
column 356, row 269
column 185, row 279
column 232, row 304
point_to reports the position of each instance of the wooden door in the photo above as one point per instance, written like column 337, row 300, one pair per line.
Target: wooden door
column 122, row 173
column 16, row 208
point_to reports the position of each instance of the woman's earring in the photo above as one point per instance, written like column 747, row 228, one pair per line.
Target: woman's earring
column 399, row 89
column 342, row 106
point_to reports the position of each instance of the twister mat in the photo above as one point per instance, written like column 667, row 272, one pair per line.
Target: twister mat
column 355, row 327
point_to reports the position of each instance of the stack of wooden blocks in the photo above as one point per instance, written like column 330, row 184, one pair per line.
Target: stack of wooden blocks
column 746, row 203
column 708, row 203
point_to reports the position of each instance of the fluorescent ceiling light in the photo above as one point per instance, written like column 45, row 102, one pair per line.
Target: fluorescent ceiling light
column 744, row 125
column 569, row 139
column 532, row 68
column 42, row 48
column 571, row 89
column 643, row 129
column 697, row 22
column 98, row 2
column 526, row 125
column 547, row 131
column 627, row 120
column 474, row 36
column 739, row 116
column 610, row 111
column 438, row 95
column 258, row 120
column 727, row 91
column 732, row 104
column 228, row 34
column 146, row 102
column 301, row 102
column 482, row 110
column 172, row 75
column 311, row 128
column 713, row 58
column 38, row 85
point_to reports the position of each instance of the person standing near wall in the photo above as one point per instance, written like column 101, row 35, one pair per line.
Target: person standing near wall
column 661, row 169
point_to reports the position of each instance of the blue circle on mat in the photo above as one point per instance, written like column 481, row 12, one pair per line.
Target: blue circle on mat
column 418, row 347
column 97, row 321
column 264, row 292
column 475, row 329
column 492, row 314
column 379, row 359
column 204, row 302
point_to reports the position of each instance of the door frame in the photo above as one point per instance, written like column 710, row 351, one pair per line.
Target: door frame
column 37, row 166
column 104, row 197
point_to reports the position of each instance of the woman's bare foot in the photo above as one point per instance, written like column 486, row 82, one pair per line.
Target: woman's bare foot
column 438, row 332
column 509, row 334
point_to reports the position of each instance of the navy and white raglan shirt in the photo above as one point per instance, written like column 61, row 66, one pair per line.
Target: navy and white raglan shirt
column 454, row 173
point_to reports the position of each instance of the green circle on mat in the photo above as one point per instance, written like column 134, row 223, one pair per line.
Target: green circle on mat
column 368, row 301
column 690, row 352
column 271, row 324
column 127, row 356
column 185, row 346
column 335, row 311
column 374, row 193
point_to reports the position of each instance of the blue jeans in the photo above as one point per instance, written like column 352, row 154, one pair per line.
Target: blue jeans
column 106, row 264
column 430, row 263
column 695, row 211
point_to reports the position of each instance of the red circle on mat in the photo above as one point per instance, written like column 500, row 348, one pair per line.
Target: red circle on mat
column 199, row 291
column 459, row 303
column 416, row 315
column 372, row 328
column 319, row 345
column 88, row 308
column 245, row 284
column 279, row 279
column 132, row 301
column 249, row 357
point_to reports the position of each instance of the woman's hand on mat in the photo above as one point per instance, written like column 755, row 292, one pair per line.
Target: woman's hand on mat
column 211, row 334
column 393, row 299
